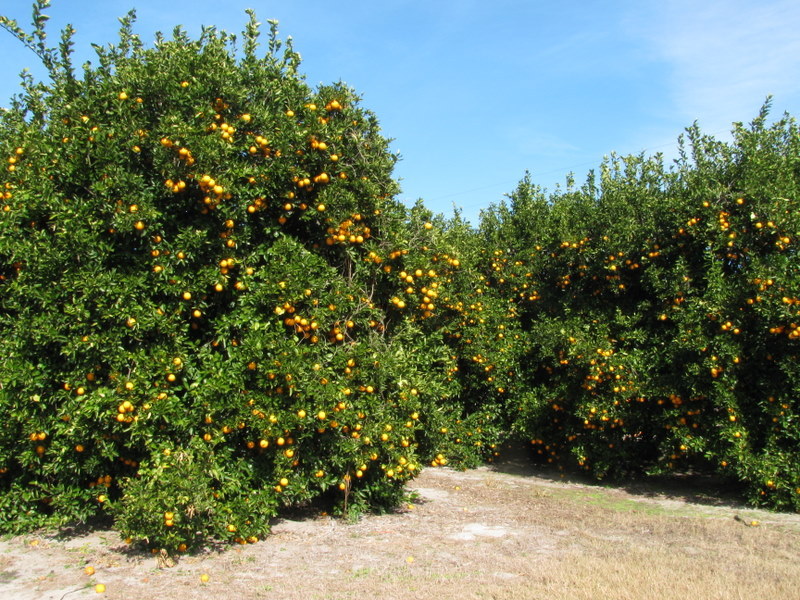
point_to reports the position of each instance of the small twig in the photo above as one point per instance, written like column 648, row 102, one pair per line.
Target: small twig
column 72, row 592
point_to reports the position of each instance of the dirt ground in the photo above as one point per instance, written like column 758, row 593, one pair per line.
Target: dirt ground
column 507, row 531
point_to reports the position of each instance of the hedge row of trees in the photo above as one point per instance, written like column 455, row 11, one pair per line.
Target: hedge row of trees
column 659, row 311
column 212, row 305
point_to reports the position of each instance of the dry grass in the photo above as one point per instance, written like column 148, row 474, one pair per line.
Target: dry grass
column 480, row 534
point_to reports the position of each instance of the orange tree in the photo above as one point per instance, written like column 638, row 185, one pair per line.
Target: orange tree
column 659, row 310
column 210, row 302
column 482, row 334
column 742, row 204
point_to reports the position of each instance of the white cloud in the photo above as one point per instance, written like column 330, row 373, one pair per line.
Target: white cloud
column 724, row 57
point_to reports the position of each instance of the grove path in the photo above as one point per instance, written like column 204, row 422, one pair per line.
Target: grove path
column 509, row 531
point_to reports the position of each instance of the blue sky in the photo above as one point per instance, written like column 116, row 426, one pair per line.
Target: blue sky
column 474, row 93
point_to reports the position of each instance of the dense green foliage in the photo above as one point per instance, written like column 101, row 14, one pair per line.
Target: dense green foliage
column 211, row 304
column 660, row 311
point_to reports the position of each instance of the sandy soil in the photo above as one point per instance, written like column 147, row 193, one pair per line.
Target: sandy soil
column 509, row 531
